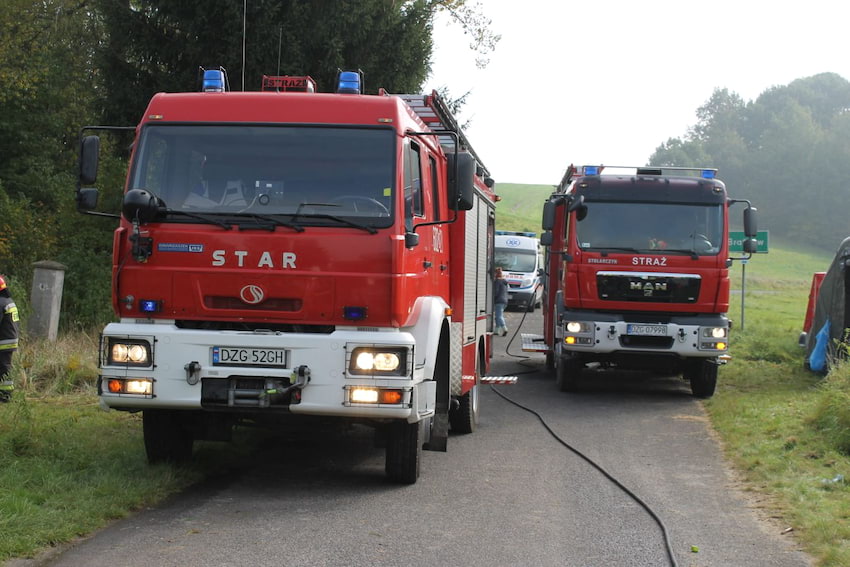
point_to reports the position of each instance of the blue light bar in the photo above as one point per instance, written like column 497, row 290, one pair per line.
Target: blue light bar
column 591, row 170
column 348, row 82
column 149, row 306
column 354, row 312
column 213, row 81
column 708, row 173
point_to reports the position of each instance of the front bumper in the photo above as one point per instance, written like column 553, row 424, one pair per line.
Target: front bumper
column 686, row 337
column 313, row 377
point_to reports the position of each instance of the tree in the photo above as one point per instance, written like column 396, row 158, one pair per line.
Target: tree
column 46, row 73
column 788, row 151
column 158, row 45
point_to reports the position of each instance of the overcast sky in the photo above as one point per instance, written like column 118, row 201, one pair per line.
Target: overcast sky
column 608, row 81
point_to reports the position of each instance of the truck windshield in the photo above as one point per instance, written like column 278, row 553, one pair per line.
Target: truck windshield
column 647, row 226
column 512, row 260
column 270, row 170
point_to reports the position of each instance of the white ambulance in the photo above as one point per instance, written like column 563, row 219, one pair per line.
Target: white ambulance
column 518, row 254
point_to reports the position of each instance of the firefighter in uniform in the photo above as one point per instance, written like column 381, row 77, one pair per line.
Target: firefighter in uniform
column 8, row 339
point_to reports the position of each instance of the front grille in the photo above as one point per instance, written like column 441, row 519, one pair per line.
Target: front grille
column 646, row 287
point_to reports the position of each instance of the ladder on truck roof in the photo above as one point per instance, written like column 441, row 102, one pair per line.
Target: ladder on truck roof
column 434, row 112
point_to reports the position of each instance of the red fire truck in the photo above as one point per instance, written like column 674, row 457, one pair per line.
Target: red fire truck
column 637, row 264
column 286, row 254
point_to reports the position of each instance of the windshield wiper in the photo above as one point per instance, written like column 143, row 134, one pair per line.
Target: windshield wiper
column 205, row 218
column 274, row 220
column 345, row 221
column 369, row 229
column 606, row 249
column 692, row 253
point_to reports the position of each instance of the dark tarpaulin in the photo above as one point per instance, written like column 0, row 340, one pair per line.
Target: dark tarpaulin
column 831, row 317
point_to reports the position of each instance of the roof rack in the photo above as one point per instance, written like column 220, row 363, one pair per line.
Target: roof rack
column 435, row 113
column 586, row 170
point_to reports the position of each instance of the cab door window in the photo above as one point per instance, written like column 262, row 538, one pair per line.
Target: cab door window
column 412, row 184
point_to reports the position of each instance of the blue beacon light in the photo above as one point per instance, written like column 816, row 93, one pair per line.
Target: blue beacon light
column 348, row 82
column 148, row 305
column 213, row 81
column 708, row 173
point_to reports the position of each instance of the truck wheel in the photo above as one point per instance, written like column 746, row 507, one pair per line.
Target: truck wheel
column 703, row 377
column 166, row 437
column 404, row 451
column 567, row 372
column 464, row 419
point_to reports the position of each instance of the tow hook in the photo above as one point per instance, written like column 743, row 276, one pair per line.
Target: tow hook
column 193, row 372
column 302, row 377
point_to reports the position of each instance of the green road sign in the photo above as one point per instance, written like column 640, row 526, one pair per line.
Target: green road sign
column 736, row 241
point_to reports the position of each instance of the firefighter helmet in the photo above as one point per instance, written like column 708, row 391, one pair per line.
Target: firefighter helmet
column 2, row 283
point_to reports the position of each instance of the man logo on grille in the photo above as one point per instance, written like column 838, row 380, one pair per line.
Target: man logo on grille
column 252, row 294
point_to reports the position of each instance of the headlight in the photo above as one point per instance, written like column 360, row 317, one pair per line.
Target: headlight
column 578, row 327
column 578, row 333
column 379, row 361
column 137, row 386
column 714, row 338
column 127, row 352
column 378, row 396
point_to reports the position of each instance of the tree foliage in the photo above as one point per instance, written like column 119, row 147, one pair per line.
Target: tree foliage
column 65, row 64
column 788, row 152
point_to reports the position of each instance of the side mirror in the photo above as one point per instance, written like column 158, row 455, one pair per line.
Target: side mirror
column 89, row 157
column 461, row 180
column 576, row 204
column 750, row 245
column 750, row 222
column 87, row 199
column 546, row 238
column 548, row 222
column 140, row 205
column 411, row 239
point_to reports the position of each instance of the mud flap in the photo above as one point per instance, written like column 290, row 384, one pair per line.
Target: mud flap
column 439, row 429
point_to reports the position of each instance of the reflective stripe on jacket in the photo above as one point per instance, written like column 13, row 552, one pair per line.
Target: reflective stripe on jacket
column 8, row 324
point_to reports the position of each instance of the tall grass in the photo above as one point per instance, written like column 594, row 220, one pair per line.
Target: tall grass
column 67, row 467
column 784, row 428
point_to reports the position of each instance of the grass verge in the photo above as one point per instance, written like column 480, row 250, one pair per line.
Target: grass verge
column 784, row 428
column 68, row 468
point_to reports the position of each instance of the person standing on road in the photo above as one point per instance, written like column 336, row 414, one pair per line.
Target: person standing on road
column 8, row 339
column 500, row 301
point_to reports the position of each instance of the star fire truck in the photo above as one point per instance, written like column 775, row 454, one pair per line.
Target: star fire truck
column 637, row 273
column 286, row 255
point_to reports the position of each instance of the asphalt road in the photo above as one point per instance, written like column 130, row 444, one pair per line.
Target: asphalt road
column 508, row 494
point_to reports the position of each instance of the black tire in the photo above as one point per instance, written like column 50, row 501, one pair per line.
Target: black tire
column 404, row 452
column 167, row 439
column 550, row 361
column 464, row 419
column 567, row 373
column 702, row 375
column 531, row 305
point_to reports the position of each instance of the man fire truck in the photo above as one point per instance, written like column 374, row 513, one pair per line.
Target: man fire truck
column 637, row 273
column 287, row 253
